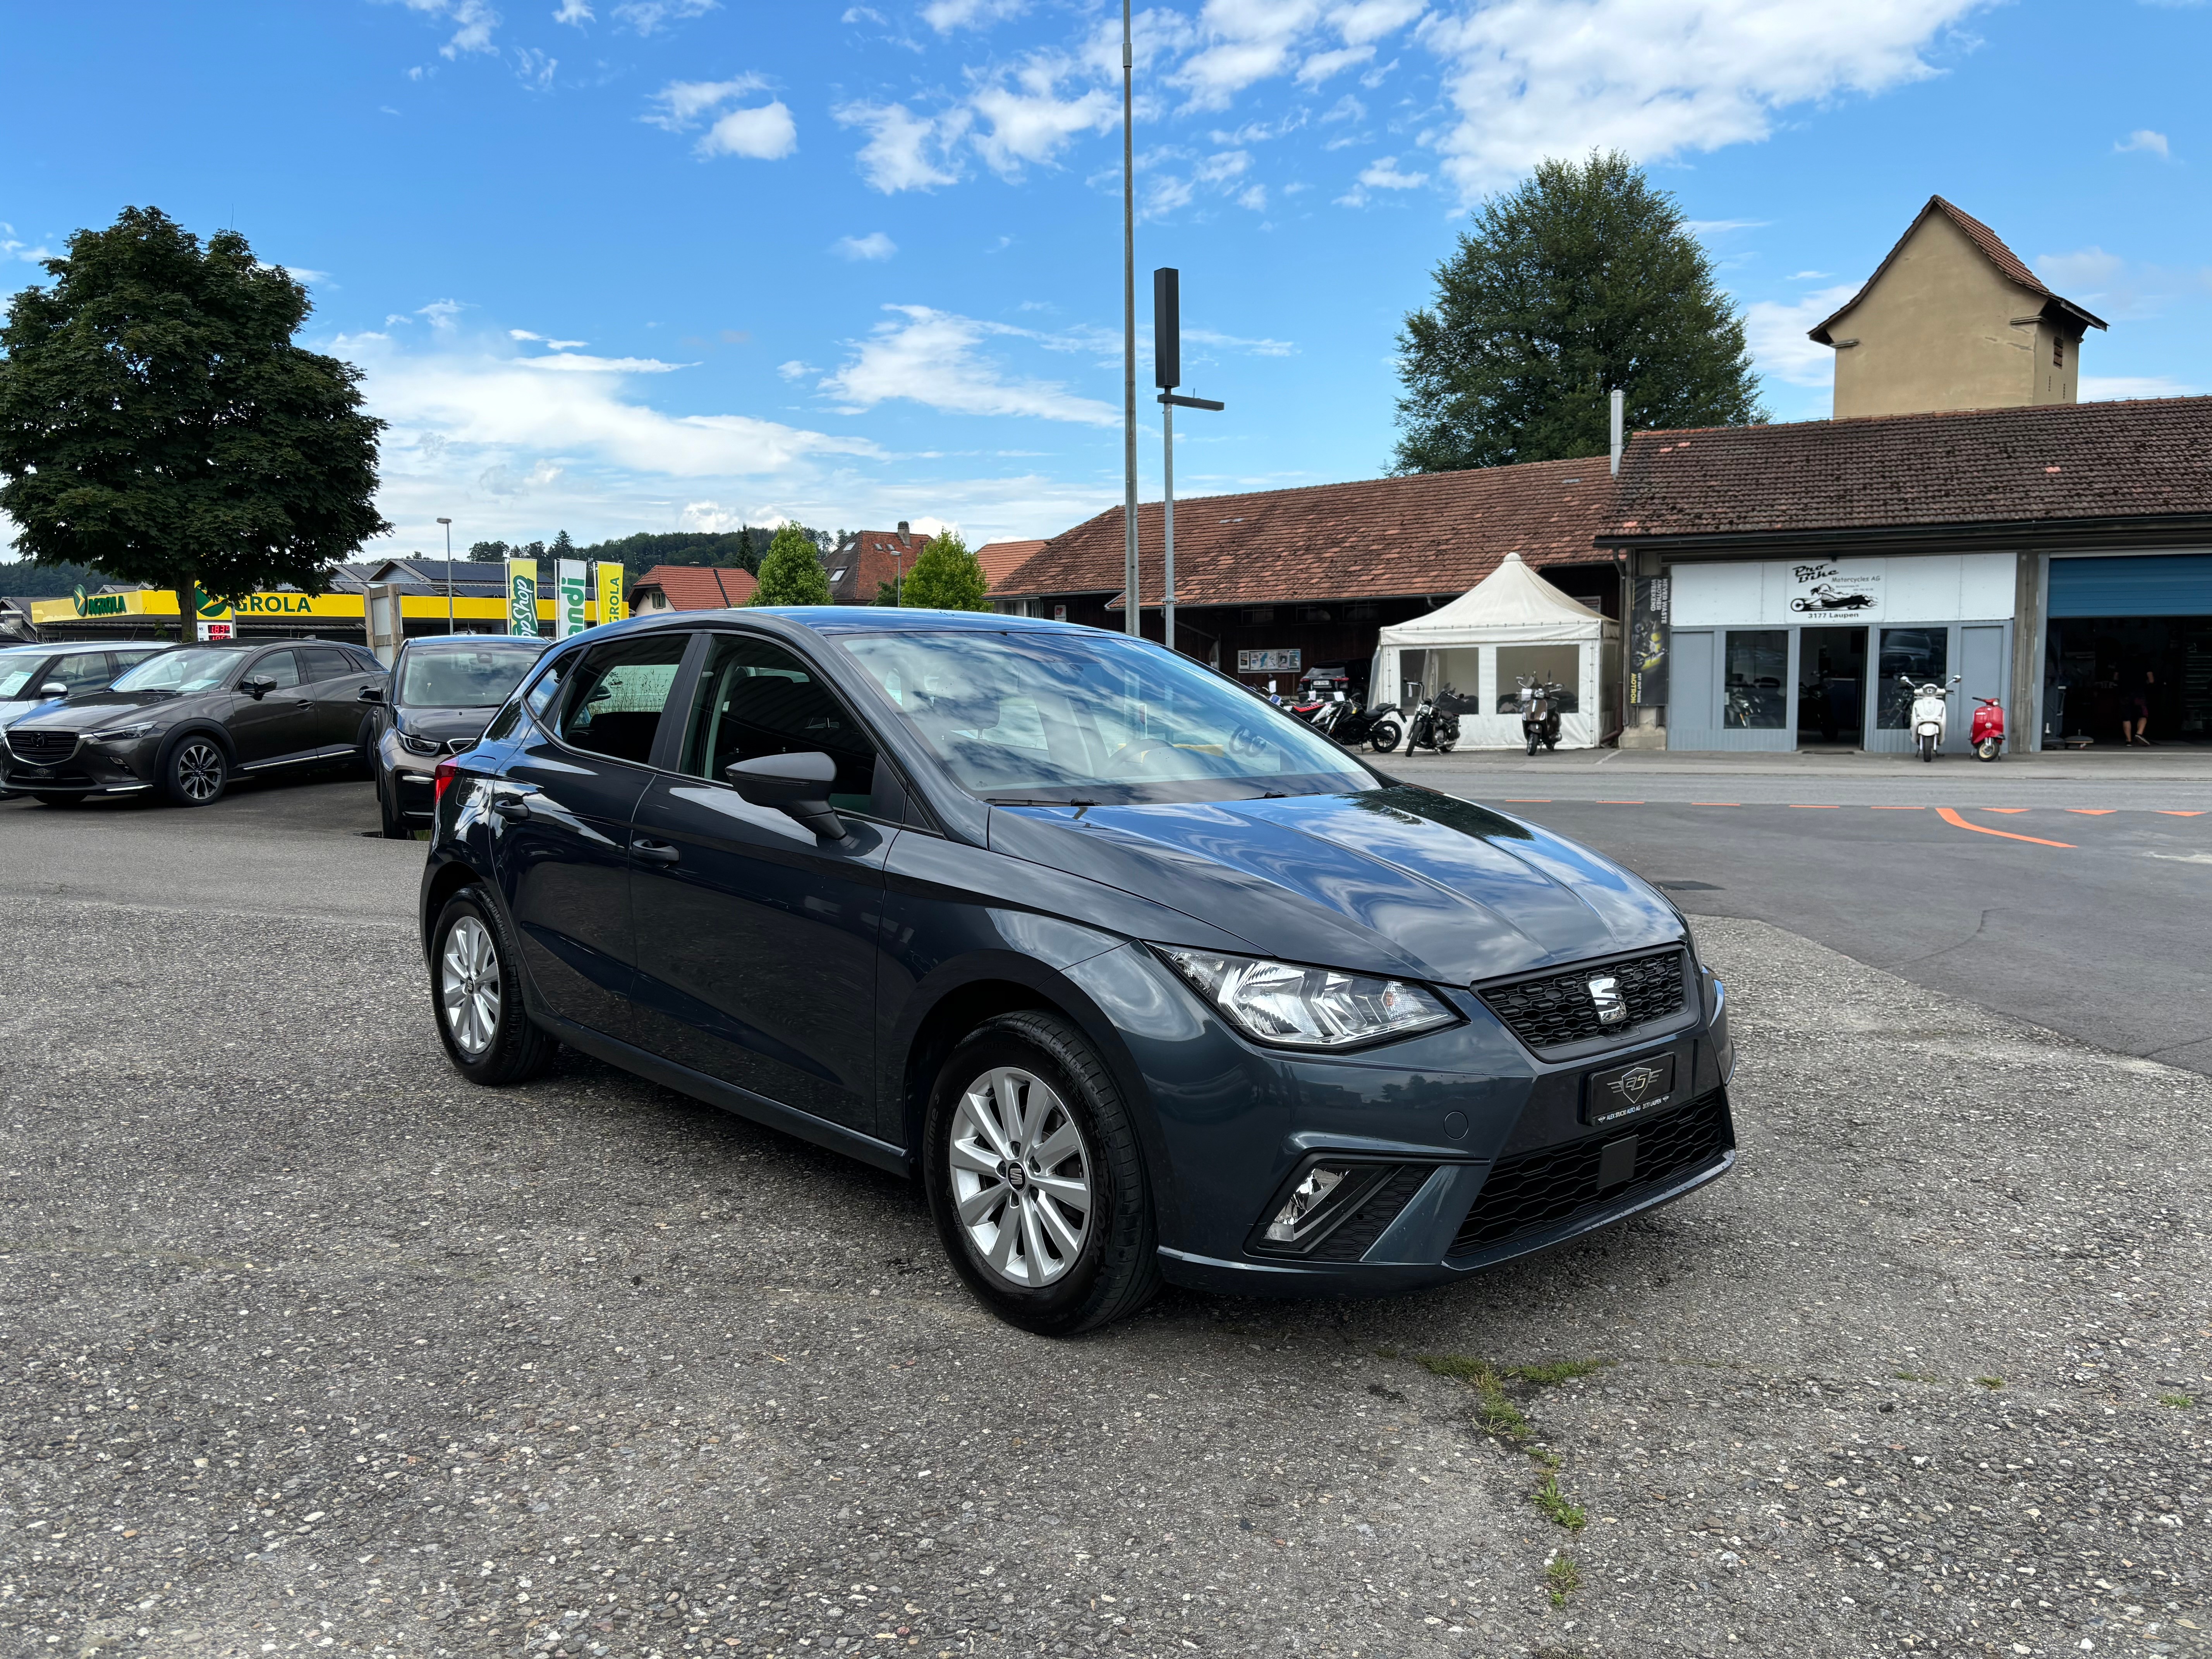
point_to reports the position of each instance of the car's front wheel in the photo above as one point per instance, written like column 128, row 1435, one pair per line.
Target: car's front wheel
column 1036, row 1180
column 477, row 998
column 196, row 772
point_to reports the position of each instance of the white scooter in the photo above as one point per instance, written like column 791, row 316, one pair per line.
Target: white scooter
column 1931, row 711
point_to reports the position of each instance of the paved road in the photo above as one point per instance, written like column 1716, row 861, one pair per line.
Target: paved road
column 305, row 1345
column 2102, row 937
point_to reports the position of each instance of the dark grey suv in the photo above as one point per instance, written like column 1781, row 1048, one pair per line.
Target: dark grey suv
column 443, row 691
column 188, row 722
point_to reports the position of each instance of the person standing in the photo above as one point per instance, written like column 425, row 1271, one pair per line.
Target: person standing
column 2134, row 709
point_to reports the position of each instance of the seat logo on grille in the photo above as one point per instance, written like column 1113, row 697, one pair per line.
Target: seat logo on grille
column 1605, row 995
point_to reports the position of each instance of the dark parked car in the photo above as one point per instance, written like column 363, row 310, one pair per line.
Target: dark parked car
column 189, row 721
column 1143, row 979
column 443, row 692
column 37, row 677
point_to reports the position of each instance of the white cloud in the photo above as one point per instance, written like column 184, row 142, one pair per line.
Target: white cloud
column 935, row 358
column 534, row 68
column 1533, row 78
column 441, row 314
column 1721, row 227
column 2144, row 139
column 2117, row 288
column 1205, row 337
column 1030, row 121
column 796, row 369
column 874, row 245
column 1346, row 108
column 1809, row 275
column 1384, row 175
column 646, row 15
column 905, row 151
column 1246, row 41
column 578, row 12
column 577, row 362
column 1777, row 334
column 473, row 21
column 2101, row 388
column 765, row 134
column 945, row 15
column 544, row 340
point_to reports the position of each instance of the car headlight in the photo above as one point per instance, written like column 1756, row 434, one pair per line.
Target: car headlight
column 121, row 733
column 414, row 745
column 1282, row 1004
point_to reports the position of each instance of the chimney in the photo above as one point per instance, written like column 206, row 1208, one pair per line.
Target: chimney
column 1617, row 397
column 902, row 526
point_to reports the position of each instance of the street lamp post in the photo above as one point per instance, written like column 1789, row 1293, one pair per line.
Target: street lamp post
column 448, row 523
column 1132, row 621
column 1167, row 371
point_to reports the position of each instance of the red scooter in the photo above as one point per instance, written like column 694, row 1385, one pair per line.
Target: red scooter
column 1987, row 733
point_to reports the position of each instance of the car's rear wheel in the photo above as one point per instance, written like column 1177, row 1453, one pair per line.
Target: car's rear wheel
column 196, row 772
column 477, row 997
column 1036, row 1180
column 1385, row 737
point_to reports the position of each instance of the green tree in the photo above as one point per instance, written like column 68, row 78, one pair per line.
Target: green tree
column 792, row 572
column 156, row 420
column 944, row 576
column 1583, row 278
column 562, row 547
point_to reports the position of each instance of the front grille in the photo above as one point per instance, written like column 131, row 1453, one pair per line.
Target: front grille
column 1539, row 1192
column 1556, row 1011
column 1352, row 1239
column 42, row 748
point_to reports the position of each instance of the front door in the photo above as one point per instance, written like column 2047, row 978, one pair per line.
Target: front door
column 280, row 724
column 334, row 681
column 756, row 940
column 560, row 811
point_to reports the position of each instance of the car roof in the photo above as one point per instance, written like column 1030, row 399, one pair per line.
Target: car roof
column 476, row 643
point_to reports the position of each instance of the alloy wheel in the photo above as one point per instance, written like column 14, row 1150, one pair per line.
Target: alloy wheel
column 1021, row 1177
column 200, row 771
column 468, row 986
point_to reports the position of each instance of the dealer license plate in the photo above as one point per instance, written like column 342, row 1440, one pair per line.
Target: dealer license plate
column 1629, row 1090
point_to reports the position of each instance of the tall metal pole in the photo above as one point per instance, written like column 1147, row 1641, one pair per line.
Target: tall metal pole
column 448, row 523
column 1131, row 600
column 1167, row 504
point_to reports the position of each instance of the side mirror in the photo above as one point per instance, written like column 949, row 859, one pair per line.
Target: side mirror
column 53, row 689
column 371, row 693
column 797, row 786
column 259, row 687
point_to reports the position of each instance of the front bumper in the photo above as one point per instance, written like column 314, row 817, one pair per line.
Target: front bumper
column 1483, row 1152
column 94, row 768
column 409, row 777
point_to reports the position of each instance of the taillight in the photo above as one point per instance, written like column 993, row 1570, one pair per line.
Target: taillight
column 446, row 774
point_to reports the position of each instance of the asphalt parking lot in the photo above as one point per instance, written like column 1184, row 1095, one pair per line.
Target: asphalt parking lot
column 309, row 1345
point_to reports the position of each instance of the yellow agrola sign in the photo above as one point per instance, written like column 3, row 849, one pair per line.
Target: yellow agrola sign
column 319, row 607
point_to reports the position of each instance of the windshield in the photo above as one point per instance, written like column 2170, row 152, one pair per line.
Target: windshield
column 1054, row 719
column 455, row 676
column 181, row 671
column 15, row 670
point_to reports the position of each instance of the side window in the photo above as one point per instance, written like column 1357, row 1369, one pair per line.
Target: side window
column 326, row 662
column 756, row 698
column 611, row 705
column 82, row 671
column 281, row 666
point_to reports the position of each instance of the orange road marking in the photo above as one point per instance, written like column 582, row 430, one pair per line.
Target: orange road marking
column 2001, row 809
column 1949, row 816
column 2094, row 812
column 2168, row 812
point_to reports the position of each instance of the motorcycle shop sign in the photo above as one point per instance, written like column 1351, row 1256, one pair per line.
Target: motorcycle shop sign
column 1829, row 590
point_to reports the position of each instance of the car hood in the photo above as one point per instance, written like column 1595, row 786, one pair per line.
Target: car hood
column 98, row 708
column 445, row 724
column 1403, row 880
column 12, row 710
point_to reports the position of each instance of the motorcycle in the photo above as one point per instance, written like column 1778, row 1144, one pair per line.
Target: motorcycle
column 1347, row 723
column 1987, row 734
column 1431, row 727
column 1538, row 705
column 1931, row 711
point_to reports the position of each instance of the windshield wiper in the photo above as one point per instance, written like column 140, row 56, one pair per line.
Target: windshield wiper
column 1024, row 800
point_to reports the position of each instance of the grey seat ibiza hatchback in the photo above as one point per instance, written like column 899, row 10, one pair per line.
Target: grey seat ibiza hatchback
column 1142, row 978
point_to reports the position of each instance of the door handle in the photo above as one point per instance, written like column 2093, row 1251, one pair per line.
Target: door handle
column 654, row 852
column 511, row 809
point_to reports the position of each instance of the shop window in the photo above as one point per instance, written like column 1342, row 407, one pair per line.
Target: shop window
column 1458, row 678
column 1919, row 654
column 1543, row 665
column 1756, row 679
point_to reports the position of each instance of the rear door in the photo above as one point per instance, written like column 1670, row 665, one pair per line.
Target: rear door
column 756, row 940
column 278, row 725
column 561, row 815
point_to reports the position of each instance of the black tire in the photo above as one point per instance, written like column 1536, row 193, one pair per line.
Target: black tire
column 1533, row 741
column 196, row 772
column 515, row 1050
column 387, row 812
column 1384, row 738
column 1928, row 749
column 1115, row 1268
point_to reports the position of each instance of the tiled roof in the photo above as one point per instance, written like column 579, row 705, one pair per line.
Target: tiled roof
column 2150, row 457
column 1430, row 532
column 874, row 557
column 697, row 586
column 2008, row 264
column 1001, row 560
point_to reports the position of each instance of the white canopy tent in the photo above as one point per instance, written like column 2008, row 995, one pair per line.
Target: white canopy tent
column 1469, row 653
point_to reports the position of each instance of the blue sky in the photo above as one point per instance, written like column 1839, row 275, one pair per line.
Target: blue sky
column 653, row 264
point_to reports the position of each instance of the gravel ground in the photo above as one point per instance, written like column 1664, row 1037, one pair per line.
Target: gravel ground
column 305, row 1345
